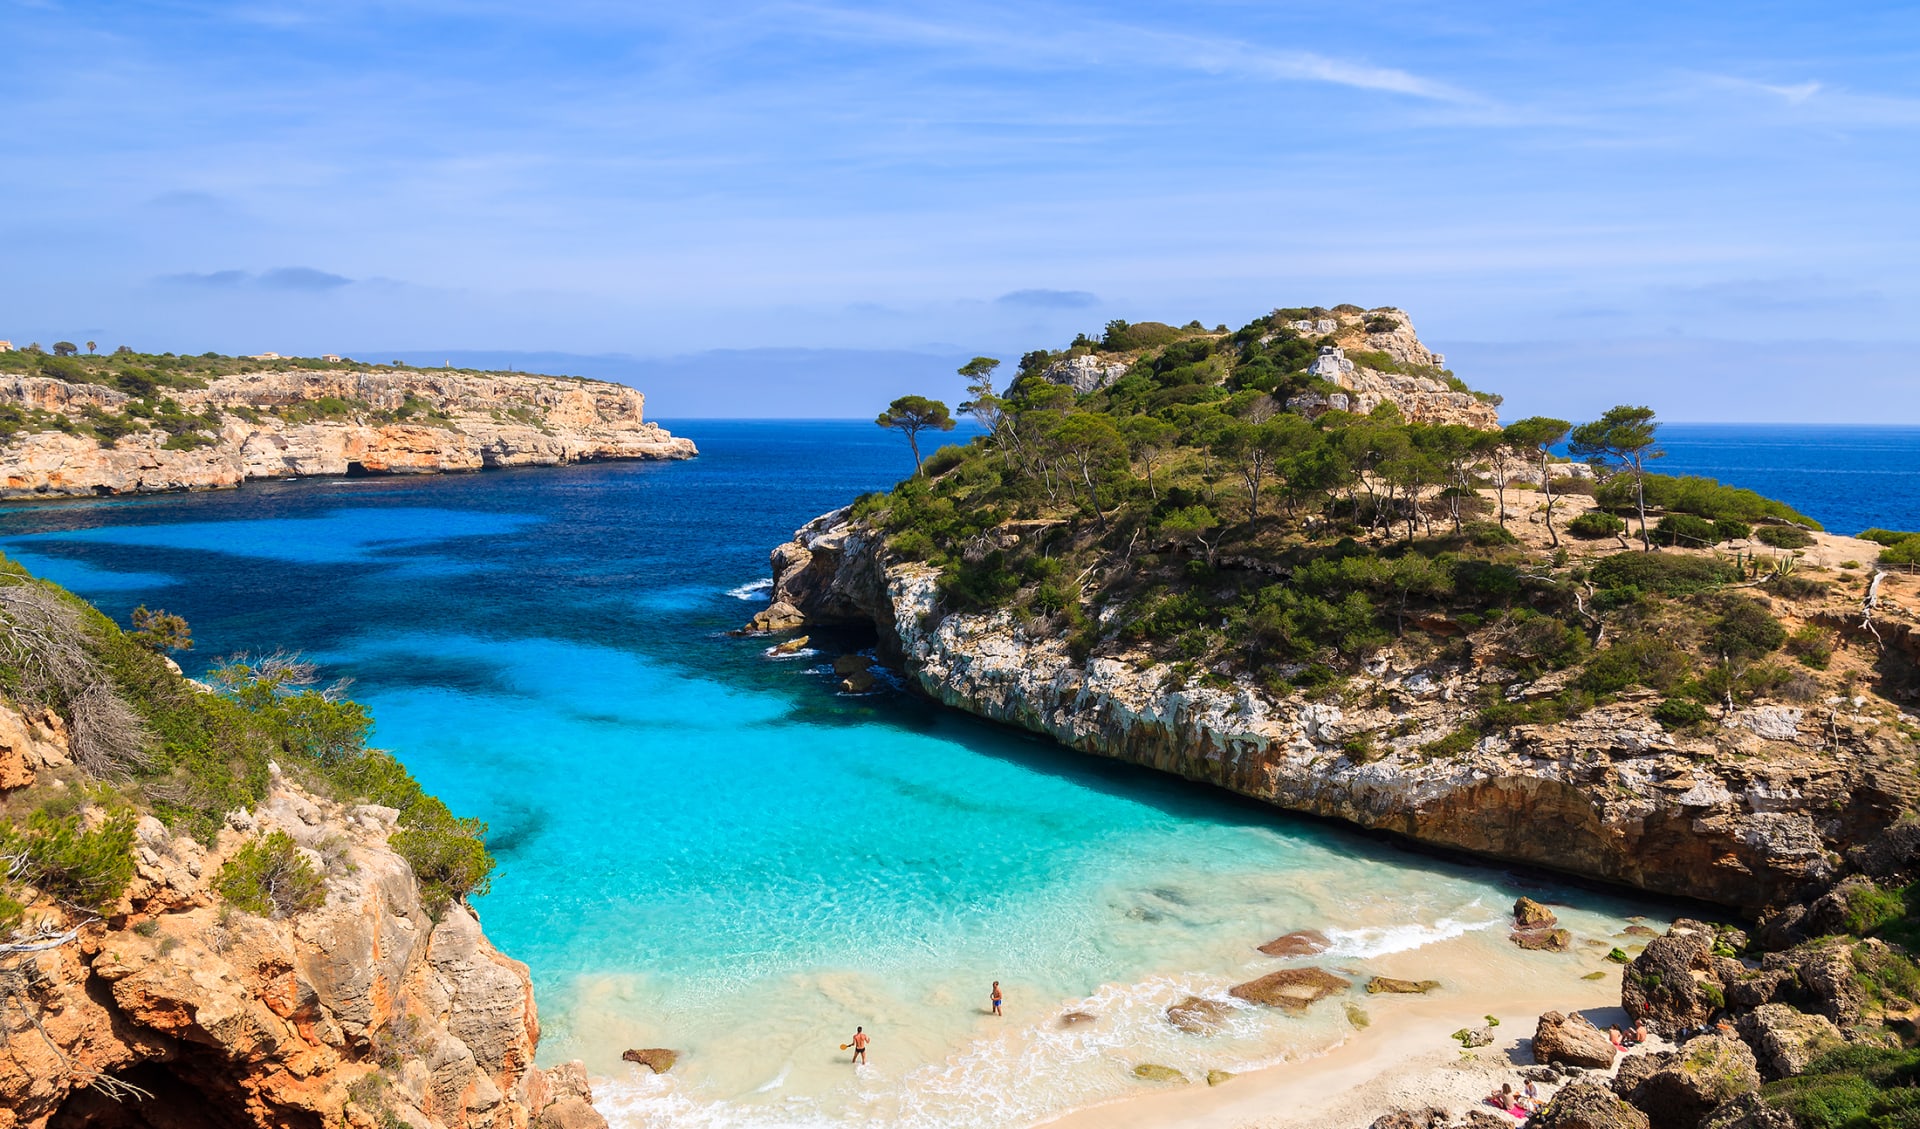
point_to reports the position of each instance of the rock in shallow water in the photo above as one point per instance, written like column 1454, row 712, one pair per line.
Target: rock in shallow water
column 1299, row 943
column 1291, row 988
column 1154, row 1072
column 1529, row 914
column 657, row 1059
column 1197, row 1015
column 1400, row 987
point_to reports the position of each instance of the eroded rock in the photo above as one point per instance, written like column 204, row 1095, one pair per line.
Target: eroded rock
column 1588, row 1105
column 1571, row 1040
column 1294, row 989
column 1299, row 943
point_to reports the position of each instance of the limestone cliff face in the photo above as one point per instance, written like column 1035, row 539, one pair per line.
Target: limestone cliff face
column 1743, row 818
column 1354, row 362
column 467, row 422
column 365, row 1012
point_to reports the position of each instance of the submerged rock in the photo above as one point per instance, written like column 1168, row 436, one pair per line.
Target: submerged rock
column 657, row 1059
column 1076, row 1018
column 1154, row 1072
column 859, row 682
column 1299, row 943
column 1543, row 940
column 1294, row 989
column 1197, row 1015
column 1400, row 987
column 793, row 645
column 1215, row 1077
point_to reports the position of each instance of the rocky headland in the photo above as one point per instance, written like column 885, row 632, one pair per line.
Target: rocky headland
column 120, row 430
column 1418, row 640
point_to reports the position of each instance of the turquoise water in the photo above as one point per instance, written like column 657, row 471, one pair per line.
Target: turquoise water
column 708, row 848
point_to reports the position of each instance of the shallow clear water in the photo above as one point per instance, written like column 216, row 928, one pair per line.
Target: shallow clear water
column 707, row 848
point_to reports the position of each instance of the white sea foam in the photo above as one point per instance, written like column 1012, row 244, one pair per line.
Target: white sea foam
column 1380, row 940
column 751, row 589
column 774, row 652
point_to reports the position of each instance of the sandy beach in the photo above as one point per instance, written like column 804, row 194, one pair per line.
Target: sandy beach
column 1405, row 1059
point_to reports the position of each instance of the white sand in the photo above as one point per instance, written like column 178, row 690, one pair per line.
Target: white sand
column 1405, row 1060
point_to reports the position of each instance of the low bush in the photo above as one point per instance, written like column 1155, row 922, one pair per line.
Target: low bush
column 1887, row 536
column 1855, row 1087
column 1644, row 660
column 1686, row 531
column 1665, row 573
column 1783, row 536
column 1596, row 524
column 1731, row 529
column 1812, row 645
column 64, row 859
column 269, row 877
column 1745, row 630
column 1680, row 713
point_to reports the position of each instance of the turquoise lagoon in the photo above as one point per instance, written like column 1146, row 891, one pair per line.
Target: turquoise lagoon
column 707, row 848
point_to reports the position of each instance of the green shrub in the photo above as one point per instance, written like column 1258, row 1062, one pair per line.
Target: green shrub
column 449, row 858
column 63, row 859
column 1488, row 535
column 1887, row 536
column 270, row 878
column 1745, row 630
column 1665, row 573
column 1644, row 660
column 1870, row 907
column 1680, row 713
column 1783, row 536
column 1812, row 645
column 1686, row 531
column 1906, row 553
column 1596, row 524
column 1459, row 741
column 1731, row 529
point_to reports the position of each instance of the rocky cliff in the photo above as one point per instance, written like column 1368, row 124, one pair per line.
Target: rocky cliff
column 93, row 439
column 174, row 1009
column 1742, row 815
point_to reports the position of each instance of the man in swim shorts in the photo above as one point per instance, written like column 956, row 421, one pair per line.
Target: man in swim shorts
column 860, row 1041
column 996, row 997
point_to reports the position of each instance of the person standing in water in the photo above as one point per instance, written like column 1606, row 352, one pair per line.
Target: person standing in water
column 996, row 997
column 860, row 1041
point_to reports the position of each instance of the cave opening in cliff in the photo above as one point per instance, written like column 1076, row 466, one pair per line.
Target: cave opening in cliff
column 178, row 1101
column 358, row 470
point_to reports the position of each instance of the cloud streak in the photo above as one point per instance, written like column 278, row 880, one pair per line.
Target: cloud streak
column 304, row 280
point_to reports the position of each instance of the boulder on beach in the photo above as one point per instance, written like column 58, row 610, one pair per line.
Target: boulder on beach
column 657, row 1059
column 1154, row 1072
column 1660, row 985
column 1431, row 1117
column 1400, row 987
column 1588, row 1105
column 1691, row 1082
column 1197, row 1015
column 1785, row 1039
column 1299, row 943
column 1529, row 914
column 1548, row 940
column 1215, row 1077
column 1571, row 1040
column 1291, row 988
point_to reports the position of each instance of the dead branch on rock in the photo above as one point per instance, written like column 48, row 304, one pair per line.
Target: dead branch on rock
column 1872, row 601
column 43, row 638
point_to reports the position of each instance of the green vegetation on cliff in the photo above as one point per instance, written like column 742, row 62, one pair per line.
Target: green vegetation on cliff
column 1185, row 514
column 146, row 739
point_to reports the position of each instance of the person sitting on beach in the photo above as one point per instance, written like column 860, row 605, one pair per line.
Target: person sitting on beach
column 1640, row 1031
column 996, row 997
column 1531, row 1097
column 1613, row 1033
column 1506, row 1101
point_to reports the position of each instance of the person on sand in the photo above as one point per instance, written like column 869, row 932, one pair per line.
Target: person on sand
column 1613, row 1033
column 1640, row 1031
column 859, row 1045
column 1531, row 1097
column 996, row 997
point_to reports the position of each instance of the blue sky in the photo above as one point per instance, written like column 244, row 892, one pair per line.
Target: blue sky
column 1710, row 208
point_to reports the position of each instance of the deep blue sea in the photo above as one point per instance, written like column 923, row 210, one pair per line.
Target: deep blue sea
column 707, row 848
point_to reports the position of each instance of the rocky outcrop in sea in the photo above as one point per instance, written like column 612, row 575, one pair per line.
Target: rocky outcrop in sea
column 286, row 424
column 1743, row 817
